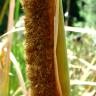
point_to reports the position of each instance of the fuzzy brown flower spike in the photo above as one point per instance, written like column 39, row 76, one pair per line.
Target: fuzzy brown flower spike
column 39, row 24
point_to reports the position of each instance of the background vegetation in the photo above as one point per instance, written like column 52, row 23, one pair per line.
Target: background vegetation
column 81, row 46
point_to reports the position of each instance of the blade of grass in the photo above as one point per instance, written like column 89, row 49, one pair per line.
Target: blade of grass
column 19, row 73
column 56, row 19
column 5, row 89
column 81, row 30
column 4, row 10
column 17, row 91
column 12, row 31
column 82, row 83
column 61, row 53
column 17, row 10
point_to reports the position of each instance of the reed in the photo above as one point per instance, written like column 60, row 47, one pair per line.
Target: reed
column 42, row 65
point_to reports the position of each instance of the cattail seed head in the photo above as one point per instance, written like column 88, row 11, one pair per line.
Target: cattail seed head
column 39, row 36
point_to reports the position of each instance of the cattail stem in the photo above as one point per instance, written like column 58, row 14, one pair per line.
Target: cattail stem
column 41, row 66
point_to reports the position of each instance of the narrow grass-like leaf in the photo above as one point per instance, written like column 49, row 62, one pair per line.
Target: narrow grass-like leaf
column 17, row 10
column 62, row 55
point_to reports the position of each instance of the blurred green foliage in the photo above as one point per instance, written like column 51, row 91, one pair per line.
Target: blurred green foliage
column 18, row 51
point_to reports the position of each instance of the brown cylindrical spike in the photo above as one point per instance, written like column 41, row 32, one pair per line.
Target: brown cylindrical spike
column 39, row 24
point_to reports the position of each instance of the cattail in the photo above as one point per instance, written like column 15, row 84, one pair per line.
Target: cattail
column 39, row 36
